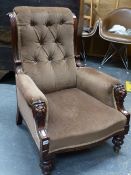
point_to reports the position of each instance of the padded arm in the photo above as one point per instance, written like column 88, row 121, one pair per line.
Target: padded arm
column 97, row 84
column 29, row 89
column 38, row 103
column 35, row 99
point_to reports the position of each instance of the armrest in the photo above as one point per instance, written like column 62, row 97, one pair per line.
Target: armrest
column 34, row 98
column 29, row 89
column 120, row 94
column 97, row 84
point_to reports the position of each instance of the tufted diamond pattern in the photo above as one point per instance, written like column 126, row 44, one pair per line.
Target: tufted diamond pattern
column 45, row 43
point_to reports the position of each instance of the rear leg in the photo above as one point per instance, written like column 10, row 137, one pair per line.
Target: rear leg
column 18, row 117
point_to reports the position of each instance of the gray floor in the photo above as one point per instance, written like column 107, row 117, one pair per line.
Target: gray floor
column 19, row 155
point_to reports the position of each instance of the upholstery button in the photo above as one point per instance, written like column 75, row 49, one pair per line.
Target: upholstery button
column 32, row 23
column 48, row 23
column 62, row 21
column 35, row 60
column 41, row 41
column 56, row 40
column 50, row 58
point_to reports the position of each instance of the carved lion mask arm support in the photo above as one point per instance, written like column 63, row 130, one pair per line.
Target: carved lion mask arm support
column 120, row 94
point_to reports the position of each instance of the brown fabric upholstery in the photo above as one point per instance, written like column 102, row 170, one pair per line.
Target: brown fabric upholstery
column 28, row 116
column 77, row 119
column 75, row 98
column 30, row 91
column 97, row 84
column 46, row 46
column 121, row 17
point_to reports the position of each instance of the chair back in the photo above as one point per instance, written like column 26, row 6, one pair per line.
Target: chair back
column 45, row 46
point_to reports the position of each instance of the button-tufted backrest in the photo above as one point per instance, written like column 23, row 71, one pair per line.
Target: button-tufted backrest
column 45, row 46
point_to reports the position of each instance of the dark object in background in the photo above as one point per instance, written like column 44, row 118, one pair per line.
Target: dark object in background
column 8, row 78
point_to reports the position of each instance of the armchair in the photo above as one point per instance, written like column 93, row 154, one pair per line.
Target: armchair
column 118, row 41
column 65, row 107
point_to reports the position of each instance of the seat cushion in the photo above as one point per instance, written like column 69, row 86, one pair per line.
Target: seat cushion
column 77, row 119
